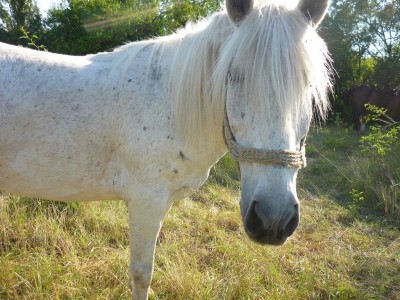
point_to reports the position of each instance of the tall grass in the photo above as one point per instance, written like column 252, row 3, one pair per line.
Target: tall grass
column 346, row 247
column 349, row 169
column 52, row 250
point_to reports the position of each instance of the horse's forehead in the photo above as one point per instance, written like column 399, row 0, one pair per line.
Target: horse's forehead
column 255, row 123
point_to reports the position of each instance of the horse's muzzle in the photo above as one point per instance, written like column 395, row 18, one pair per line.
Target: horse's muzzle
column 263, row 228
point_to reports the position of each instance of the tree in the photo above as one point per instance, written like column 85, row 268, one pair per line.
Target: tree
column 364, row 37
column 176, row 13
column 17, row 14
column 380, row 24
column 335, row 31
column 81, row 27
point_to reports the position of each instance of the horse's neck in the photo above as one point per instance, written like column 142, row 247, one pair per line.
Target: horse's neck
column 155, row 61
column 198, row 113
column 206, row 150
column 165, row 67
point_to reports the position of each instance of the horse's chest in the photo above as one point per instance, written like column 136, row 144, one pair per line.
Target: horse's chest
column 157, row 156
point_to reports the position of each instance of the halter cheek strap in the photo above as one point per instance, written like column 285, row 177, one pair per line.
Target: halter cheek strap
column 295, row 159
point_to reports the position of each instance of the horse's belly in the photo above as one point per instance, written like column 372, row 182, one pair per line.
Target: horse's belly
column 53, row 168
column 56, row 151
column 48, row 185
column 65, row 193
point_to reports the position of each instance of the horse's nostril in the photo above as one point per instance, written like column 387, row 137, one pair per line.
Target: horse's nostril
column 253, row 221
column 292, row 224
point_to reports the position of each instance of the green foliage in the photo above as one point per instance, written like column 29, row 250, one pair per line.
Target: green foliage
column 357, row 198
column 17, row 14
column 380, row 139
column 65, row 32
column 363, row 37
column 82, row 27
column 386, row 73
column 226, row 173
column 338, row 121
column 31, row 40
column 380, row 178
column 348, row 171
column 335, row 31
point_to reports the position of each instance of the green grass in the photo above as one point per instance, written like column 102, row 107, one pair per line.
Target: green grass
column 345, row 247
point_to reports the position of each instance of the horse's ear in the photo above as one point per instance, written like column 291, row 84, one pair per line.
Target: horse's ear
column 238, row 9
column 314, row 10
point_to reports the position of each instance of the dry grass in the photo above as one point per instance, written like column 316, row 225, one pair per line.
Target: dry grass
column 327, row 258
column 50, row 250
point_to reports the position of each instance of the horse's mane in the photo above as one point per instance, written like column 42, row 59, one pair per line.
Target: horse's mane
column 275, row 54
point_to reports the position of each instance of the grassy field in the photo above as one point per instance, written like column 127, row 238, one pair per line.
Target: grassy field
column 346, row 247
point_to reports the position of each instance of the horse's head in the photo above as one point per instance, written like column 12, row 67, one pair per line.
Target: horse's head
column 277, row 73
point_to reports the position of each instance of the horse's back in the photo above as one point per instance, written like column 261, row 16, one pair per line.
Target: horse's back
column 52, row 116
column 360, row 95
column 83, row 128
column 394, row 106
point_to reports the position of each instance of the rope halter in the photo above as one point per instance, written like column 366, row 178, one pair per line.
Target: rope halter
column 285, row 158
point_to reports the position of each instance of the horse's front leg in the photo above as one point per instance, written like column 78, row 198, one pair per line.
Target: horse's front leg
column 145, row 220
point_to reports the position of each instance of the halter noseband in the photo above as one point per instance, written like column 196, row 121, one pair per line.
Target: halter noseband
column 295, row 159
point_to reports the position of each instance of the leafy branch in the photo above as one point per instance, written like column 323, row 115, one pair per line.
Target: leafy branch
column 381, row 138
column 31, row 39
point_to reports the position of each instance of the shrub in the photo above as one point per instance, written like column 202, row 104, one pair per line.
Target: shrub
column 376, row 171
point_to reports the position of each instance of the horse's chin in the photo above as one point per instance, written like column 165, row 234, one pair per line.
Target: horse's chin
column 266, row 238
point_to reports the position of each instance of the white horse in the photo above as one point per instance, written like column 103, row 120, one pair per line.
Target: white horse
column 145, row 123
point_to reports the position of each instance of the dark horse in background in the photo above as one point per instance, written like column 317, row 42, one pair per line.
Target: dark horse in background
column 397, row 90
column 356, row 99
